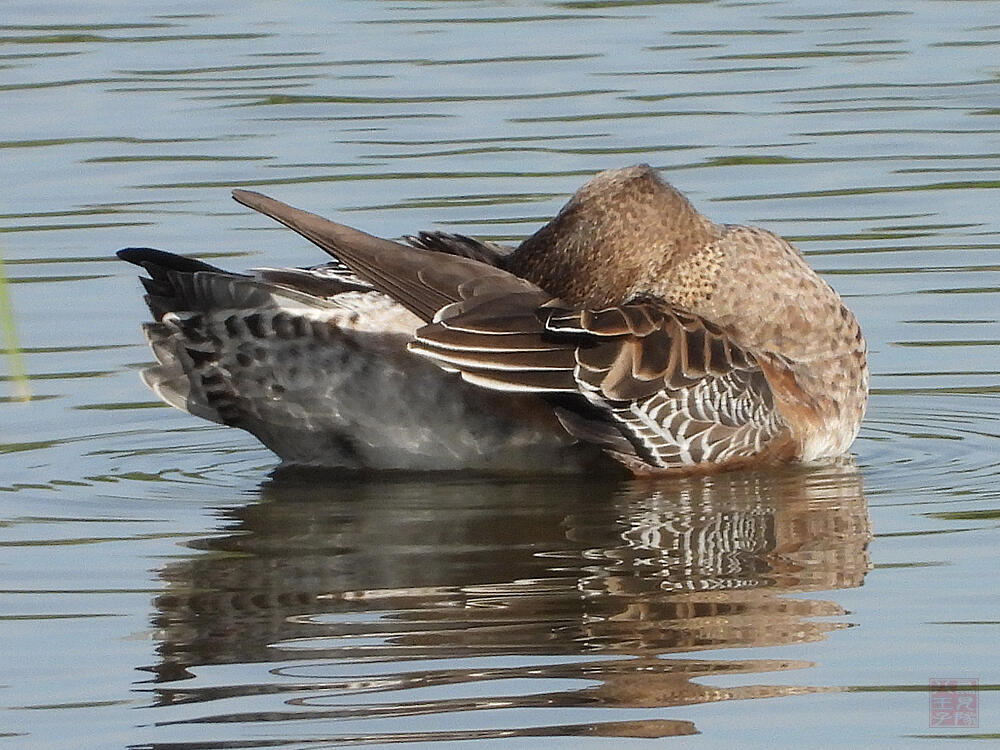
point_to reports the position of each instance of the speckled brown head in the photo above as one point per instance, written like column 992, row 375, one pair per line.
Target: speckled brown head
column 623, row 227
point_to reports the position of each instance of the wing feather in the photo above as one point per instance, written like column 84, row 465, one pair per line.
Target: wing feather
column 404, row 273
column 673, row 389
column 657, row 387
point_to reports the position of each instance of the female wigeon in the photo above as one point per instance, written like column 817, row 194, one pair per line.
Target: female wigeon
column 629, row 324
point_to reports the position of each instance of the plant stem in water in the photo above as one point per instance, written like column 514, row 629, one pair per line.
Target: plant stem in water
column 19, row 378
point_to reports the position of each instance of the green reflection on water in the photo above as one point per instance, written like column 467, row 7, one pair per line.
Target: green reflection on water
column 18, row 375
column 968, row 515
column 121, row 406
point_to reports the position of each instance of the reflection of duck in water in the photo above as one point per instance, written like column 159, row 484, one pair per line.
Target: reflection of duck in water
column 352, row 588
column 671, row 343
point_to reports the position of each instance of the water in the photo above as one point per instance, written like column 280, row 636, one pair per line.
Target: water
column 161, row 588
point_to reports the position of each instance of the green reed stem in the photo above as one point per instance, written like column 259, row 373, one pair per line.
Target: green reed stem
column 19, row 377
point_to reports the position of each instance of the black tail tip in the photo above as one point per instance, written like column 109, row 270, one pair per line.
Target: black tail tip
column 138, row 255
column 148, row 258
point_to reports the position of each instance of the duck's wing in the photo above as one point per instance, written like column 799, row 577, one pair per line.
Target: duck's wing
column 656, row 387
column 324, row 280
column 335, row 277
column 422, row 281
column 463, row 246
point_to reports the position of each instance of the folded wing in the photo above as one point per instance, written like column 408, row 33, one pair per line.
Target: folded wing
column 422, row 281
column 656, row 387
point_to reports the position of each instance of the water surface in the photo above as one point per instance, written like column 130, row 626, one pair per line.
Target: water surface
column 162, row 587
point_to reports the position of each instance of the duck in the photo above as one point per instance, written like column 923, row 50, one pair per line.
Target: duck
column 629, row 330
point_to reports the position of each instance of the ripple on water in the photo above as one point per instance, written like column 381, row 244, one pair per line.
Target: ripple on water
column 932, row 449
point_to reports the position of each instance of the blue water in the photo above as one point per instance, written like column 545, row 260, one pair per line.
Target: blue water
column 160, row 587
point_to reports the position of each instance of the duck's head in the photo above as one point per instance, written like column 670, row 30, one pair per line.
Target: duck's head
column 616, row 238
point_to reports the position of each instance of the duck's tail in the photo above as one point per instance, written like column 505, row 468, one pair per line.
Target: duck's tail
column 228, row 345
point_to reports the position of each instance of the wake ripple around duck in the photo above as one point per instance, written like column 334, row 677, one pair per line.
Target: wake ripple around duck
column 931, row 448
